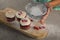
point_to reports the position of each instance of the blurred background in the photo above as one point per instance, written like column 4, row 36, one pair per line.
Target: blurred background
column 53, row 23
column 16, row 4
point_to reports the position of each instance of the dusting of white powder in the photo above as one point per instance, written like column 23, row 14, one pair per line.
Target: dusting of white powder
column 10, row 14
column 22, row 15
column 25, row 23
column 36, row 11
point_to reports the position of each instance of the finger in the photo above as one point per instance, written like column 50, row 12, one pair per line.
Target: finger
column 46, row 15
column 42, row 21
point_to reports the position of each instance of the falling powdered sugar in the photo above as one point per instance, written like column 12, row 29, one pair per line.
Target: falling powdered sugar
column 35, row 11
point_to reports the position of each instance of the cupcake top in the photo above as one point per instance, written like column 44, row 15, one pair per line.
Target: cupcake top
column 20, row 14
column 10, row 14
column 25, row 21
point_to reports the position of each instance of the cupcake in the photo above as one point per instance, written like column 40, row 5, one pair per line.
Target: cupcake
column 10, row 15
column 20, row 14
column 25, row 23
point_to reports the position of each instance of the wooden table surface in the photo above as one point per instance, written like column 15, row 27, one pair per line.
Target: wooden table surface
column 40, row 35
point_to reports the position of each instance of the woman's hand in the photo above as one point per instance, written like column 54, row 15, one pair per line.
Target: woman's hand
column 49, row 5
column 42, row 21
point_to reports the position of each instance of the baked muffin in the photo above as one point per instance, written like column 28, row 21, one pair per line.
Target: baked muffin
column 10, row 15
column 20, row 14
column 25, row 23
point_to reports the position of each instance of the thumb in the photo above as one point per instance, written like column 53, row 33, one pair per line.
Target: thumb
column 42, row 21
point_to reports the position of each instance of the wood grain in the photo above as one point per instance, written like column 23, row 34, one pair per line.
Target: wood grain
column 34, row 34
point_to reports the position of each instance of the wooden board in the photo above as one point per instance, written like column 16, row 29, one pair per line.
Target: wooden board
column 31, row 33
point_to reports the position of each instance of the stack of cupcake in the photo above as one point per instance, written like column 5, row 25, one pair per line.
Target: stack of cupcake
column 21, row 17
column 20, row 14
column 10, row 15
column 23, row 20
column 25, row 23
